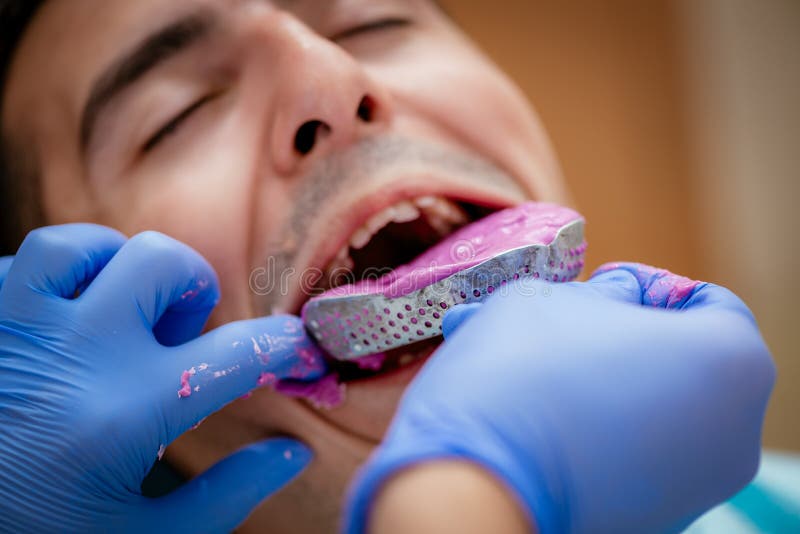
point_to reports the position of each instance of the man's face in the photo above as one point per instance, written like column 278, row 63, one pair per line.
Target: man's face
column 253, row 130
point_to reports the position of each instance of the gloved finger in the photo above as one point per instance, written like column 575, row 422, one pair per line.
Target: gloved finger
column 222, row 497
column 711, row 296
column 159, row 281
column 642, row 284
column 5, row 265
column 457, row 316
column 662, row 289
column 616, row 284
column 200, row 377
column 61, row 260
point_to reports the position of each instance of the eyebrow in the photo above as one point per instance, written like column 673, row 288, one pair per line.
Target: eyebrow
column 153, row 50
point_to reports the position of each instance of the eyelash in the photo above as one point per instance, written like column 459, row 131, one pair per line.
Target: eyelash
column 378, row 25
column 171, row 127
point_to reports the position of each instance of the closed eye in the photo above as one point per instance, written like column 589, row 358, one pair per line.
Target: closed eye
column 172, row 126
column 376, row 26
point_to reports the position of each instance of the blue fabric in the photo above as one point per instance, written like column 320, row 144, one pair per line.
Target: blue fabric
column 102, row 365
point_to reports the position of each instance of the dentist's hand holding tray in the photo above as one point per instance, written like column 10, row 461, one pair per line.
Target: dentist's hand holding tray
column 629, row 403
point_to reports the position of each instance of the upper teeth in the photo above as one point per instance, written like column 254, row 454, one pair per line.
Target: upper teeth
column 441, row 214
column 405, row 212
column 401, row 212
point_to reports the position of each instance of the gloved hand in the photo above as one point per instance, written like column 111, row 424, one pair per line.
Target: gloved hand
column 89, row 397
column 630, row 403
column 5, row 265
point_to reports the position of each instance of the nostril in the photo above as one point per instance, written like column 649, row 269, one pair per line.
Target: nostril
column 366, row 109
column 309, row 133
column 306, row 136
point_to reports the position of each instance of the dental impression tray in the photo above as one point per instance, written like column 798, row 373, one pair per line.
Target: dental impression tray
column 533, row 240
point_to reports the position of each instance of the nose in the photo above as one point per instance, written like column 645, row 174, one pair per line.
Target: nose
column 324, row 99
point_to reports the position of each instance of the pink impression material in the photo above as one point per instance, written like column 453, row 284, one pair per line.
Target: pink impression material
column 186, row 387
column 662, row 289
column 267, row 379
column 531, row 223
column 326, row 393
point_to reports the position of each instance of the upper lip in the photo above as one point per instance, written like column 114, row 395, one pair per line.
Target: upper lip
column 321, row 249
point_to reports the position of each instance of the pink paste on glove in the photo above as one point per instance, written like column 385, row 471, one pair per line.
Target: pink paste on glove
column 661, row 288
column 267, row 379
column 186, row 388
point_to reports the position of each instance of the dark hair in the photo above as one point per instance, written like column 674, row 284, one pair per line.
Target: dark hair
column 20, row 203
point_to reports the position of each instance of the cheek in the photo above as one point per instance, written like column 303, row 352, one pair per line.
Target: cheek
column 202, row 198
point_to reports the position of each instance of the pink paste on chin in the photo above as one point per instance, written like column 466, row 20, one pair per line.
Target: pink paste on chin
column 325, row 393
column 531, row 223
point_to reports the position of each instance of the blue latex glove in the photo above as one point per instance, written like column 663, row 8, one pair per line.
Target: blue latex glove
column 5, row 265
column 630, row 403
column 89, row 397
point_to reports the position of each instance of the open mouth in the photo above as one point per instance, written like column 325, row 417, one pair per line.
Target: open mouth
column 392, row 238
column 396, row 236
column 384, row 294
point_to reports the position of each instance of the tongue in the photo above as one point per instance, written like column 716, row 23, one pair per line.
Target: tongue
column 532, row 223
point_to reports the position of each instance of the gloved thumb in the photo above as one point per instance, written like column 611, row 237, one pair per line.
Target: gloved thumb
column 617, row 283
column 457, row 316
column 221, row 498
column 641, row 284
column 5, row 265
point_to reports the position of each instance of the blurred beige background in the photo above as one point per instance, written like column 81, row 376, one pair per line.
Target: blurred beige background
column 678, row 127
